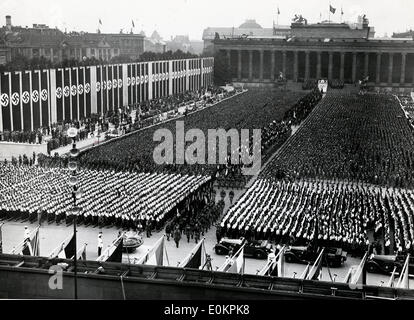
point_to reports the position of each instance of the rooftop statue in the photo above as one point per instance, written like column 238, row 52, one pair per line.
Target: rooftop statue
column 299, row 19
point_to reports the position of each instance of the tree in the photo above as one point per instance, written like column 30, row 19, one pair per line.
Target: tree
column 222, row 73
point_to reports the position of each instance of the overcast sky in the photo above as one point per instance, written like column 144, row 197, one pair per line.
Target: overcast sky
column 191, row 17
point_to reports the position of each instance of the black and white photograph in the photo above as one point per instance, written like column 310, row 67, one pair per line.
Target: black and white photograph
column 191, row 150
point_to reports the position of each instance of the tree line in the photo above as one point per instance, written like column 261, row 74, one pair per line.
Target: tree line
column 21, row 62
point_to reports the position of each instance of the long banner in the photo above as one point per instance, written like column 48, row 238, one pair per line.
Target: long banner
column 38, row 98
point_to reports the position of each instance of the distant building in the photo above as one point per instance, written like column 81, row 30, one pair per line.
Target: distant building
column 155, row 43
column 344, row 52
column 55, row 45
column 404, row 35
column 184, row 44
column 250, row 28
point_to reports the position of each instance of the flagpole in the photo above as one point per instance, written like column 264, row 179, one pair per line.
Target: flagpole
column 329, row 16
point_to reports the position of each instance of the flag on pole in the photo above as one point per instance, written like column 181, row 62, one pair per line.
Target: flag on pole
column 70, row 248
column 1, row 240
column 316, row 269
column 332, row 9
column 114, row 252
column 197, row 257
column 81, row 255
column 278, row 11
column 133, row 24
column 403, row 281
column 155, row 255
column 31, row 245
column 116, row 255
column 100, row 21
column 281, row 263
column 238, row 263
column 342, row 11
column 305, row 272
column 392, row 278
column 234, row 264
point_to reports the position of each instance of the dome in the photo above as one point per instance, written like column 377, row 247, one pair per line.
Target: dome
column 250, row 24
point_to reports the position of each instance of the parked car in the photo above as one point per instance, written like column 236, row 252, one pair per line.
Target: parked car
column 384, row 264
column 335, row 257
column 258, row 249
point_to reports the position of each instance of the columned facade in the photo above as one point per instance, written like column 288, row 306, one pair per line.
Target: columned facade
column 385, row 63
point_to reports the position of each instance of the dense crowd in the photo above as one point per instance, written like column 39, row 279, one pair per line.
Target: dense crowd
column 346, row 172
column 108, row 197
column 351, row 137
column 334, row 214
column 193, row 223
column 135, row 152
column 407, row 103
column 32, row 137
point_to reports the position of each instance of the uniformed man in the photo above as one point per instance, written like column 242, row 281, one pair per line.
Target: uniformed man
column 100, row 244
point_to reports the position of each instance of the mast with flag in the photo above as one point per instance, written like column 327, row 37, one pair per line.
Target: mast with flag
column 1, row 239
column 278, row 14
column 100, row 25
column 342, row 14
column 331, row 10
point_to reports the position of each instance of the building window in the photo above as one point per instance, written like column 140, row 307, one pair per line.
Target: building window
column 92, row 52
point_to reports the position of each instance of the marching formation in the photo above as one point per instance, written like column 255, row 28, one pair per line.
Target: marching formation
column 334, row 214
column 135, row 152
column 108, row 197
column 342, row 175
column 351, row 137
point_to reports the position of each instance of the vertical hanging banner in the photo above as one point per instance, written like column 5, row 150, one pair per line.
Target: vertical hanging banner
column 120, row 85
column 52, row 96
column 44, row 98
column 5, row 101
column 170, row 79
column 26, row 102
column 16, row 80
column 35, row 98
column 74, row 93
column 110, row 88
column 1, row 115
column 98, row 89
column 148, row 79
column 81, row 92
column 60, row 101
column 128, row 83
column 140, row 83
column 125, row 84
column 67, row 101
column 133, row 83
column 90, row 94
column 144, row 78
column 105, row 89
column 115, row 102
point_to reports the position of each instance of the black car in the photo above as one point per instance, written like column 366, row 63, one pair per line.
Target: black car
column 384, row 264
column 335, row 257
column 257, row 249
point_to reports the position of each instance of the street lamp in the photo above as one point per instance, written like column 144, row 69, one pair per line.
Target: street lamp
column 76, row 194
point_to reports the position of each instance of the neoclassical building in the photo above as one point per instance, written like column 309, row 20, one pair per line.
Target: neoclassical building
column 346, row 52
